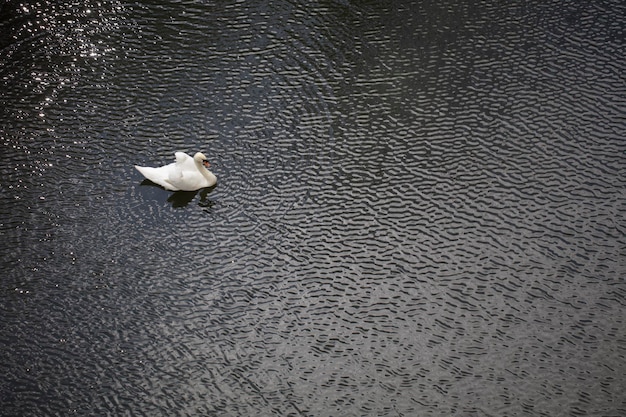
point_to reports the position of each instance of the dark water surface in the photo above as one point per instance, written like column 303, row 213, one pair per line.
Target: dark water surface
column 420, row 208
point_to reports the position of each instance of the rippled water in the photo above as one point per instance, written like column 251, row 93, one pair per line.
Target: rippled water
column 420, row 208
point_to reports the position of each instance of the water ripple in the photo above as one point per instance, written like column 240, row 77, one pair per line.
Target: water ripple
column 419, row 209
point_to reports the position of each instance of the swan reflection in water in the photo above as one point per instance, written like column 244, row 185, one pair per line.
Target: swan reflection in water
column 180, row 199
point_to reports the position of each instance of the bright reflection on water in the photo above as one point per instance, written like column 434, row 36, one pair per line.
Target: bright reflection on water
column 420, row 208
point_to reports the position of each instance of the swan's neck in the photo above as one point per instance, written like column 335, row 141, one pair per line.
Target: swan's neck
column 205, row 172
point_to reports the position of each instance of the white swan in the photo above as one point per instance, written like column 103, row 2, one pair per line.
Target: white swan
column 186, row 174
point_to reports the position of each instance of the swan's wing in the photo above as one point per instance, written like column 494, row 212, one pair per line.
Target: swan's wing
column 184, row 175
column 186, row 180
column 175, row 173
column 184, row 161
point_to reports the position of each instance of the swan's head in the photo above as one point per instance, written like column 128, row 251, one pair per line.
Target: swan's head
column 199, row 157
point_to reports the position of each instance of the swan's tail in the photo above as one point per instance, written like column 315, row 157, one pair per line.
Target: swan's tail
column 156, row 176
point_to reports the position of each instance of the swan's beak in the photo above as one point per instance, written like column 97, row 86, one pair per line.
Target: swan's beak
column 206, row 163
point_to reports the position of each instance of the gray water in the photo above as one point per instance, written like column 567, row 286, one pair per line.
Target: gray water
column 420, row 208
